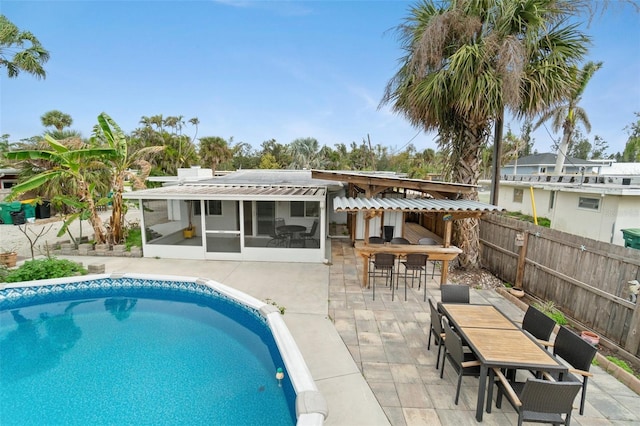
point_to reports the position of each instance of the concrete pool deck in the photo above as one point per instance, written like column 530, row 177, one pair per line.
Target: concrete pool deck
column 369, row 358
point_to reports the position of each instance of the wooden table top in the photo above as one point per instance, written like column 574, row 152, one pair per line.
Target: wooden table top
column 434, row 252
column 478, row 316
column 506, row 348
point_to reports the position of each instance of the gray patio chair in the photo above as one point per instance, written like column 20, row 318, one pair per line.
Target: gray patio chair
column 278, row 239
column 454, row 293
column 426, row 241
column 536, row 400
column 464, row 363
column 311, row 234
column 416, row 263
column 578, row 353
column 436, row 331
column 375, row 240
column 383, row 266
column 538, row 325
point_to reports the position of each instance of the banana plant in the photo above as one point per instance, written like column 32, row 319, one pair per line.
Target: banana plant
column 71, row 164
column 125, row 165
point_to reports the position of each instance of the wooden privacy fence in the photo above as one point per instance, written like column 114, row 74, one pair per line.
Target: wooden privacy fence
column 587, row 279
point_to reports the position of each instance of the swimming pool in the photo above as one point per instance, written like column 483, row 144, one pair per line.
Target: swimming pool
column 151, row 354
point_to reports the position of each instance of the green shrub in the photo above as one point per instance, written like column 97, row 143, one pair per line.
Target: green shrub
column 542, row 221
column 42, row 269
column 620, row 363
column 550, row 310
column 133, row 238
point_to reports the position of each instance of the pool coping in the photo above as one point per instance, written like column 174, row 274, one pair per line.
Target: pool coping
column 311, row 406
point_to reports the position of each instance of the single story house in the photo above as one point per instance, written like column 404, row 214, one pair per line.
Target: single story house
column 248, row 215
column 545, row 163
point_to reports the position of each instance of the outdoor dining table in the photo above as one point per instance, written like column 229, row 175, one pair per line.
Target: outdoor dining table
column 435, row 252
column 498, row 343
column 292, row 230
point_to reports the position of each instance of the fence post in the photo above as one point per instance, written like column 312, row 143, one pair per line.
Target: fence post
column 633, row 336
column 522, row 256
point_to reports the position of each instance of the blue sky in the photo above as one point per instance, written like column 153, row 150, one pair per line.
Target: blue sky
column 257, row 70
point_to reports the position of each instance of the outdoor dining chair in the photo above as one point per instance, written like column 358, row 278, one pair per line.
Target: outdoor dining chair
column 464, row 363
column 538, row 325
column 278, row 239
column 579, row 353
column 416, row 263
column 436, row 331
column 312, row 232
column 453, row 293
column 383, row 266
column 536, row 400
column 426, row 241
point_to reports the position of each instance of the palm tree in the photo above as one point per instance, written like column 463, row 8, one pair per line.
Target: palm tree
column 213, row 151
column 57, row 119
column 567, row 115
column 304, row 153
column 20, row 51
column 466, row 61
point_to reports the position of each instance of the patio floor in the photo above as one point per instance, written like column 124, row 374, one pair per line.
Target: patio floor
column 388, row 341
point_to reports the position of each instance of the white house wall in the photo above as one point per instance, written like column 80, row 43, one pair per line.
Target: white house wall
column 596, row 224
column 628, row 217
column 616, row 212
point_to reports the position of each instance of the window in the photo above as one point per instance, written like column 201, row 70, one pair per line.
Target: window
column 517, row 195
column 212, row 208
column 304, row 209
column 6, row 184
column 589, row 203
column 543, row 170
column 552, row 199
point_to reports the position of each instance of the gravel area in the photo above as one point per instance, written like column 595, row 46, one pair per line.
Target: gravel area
column 45, row 231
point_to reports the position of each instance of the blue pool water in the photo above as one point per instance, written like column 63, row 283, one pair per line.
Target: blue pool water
column 139, row 357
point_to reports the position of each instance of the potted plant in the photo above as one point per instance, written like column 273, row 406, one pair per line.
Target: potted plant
column 190, row 230
column 516, row 291
column 8, row 257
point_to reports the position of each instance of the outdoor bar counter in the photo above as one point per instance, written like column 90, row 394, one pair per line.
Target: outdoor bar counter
column 435, row 252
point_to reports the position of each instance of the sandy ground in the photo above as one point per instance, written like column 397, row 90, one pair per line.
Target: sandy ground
column 45, row 231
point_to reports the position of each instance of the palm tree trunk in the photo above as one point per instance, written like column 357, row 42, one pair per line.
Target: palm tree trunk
column 562, row 150
column 467, row 170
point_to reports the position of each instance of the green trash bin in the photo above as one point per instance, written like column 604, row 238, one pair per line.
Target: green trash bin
column 6, row 209
column 631, row 237
column 29, row 211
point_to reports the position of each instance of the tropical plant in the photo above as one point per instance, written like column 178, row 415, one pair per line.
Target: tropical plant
column 57, row 119
column 304, row 153
column 631, row 152
column 568, row 114
column 466, row 61
column 124, row 165
column 213, row 151
column 67, row 165
column 20, row 51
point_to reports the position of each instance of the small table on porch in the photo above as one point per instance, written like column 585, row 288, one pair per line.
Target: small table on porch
column 445, row 254
column 293, row 231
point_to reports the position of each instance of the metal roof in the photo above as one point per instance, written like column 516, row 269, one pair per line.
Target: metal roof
column 412, row 204
column 202, row 191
